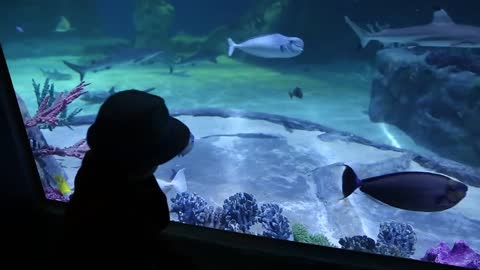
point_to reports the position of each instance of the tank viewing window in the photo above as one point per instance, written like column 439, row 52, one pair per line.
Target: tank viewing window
column 347, row 124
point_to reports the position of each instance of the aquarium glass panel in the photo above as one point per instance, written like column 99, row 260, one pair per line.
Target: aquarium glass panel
column 348, row 124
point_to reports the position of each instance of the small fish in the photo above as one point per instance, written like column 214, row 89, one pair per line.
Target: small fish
column 62, row 185
column 269, row 46
column 63, row 25
column 297, row 92
column 414, row 191
column 19, row 29
column 56, row 75
column 178, row 182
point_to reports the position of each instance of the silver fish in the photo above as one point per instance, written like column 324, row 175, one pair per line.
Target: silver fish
column 269, row 46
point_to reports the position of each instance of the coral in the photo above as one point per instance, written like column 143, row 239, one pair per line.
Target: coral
column 358, row 243
column 77, row 150
column 190, row 208
column 238, row 214
column 213, row 217
column 460, row 255
column 301, row 234
column 240, row 211
column 273, row 222
column 53, row 194
column 396, row 239
column 47, row 112
column 49, row 108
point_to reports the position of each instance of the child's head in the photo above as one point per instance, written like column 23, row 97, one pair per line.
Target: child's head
column 134, row 130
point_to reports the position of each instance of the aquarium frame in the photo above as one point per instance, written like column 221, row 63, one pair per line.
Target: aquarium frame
column 19, row 132
column 239, row 242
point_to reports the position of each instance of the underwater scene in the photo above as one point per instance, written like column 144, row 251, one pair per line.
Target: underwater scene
column 350, row 124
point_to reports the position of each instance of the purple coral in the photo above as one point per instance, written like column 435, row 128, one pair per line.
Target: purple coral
column 53, row 194
column 190, row 208
column 240, row 211
column 275, row 224
column 460, row 255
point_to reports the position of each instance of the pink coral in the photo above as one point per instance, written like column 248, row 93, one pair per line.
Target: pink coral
column 460, row 255
column 77, row 150
column 48, row 115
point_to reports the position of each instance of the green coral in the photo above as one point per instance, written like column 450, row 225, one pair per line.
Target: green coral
column 301, row 234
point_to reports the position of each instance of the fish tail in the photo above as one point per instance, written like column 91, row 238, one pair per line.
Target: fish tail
column 361, row 34
column 179, row 181
column 350, row 181
column 81, row 70
column 231, row 46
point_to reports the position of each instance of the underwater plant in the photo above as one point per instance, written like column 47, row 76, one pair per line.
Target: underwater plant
column 49, row 114
column 275, row 224
column 238, row 214
column 301, row 234
column 394, row 239
column 460, row 255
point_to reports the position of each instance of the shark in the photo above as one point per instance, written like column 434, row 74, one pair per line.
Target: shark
column 56, row 75
column 202, row 56
column 130, row 56
column 442, row 31
column 99, row 96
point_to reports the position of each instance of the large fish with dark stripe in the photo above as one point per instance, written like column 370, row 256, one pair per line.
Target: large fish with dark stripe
column 414, row 191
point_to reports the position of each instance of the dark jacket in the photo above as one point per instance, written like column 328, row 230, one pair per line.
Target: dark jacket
column 109, row 214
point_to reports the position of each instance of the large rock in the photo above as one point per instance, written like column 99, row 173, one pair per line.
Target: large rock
column 294, row 163
column 153, row 19
column 433, row 97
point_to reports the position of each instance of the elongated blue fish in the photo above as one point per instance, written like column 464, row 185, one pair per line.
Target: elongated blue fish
column 414, row 191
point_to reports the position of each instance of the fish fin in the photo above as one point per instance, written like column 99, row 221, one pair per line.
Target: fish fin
column 361, row 34
column 179, row 182
column 112, row 90
column 462, row 42
column 213, row 59
column 290, row 94
column 81, row 70
column 350, row 181
column 149, row 89
column 231, row 46
column 441, row 17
